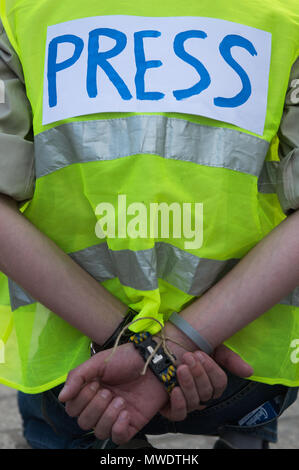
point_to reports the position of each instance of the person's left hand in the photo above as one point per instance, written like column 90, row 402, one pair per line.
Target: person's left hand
column 201, row 378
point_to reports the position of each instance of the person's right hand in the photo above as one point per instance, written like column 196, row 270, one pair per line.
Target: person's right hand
column 113, row 398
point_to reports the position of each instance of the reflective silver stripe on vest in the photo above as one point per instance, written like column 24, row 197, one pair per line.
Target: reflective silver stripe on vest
column 178, row 139
column 142, row 269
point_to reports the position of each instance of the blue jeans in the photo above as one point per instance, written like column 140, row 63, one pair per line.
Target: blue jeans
column 245, row 406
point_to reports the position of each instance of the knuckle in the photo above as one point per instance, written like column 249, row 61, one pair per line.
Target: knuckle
column 86, row 394
column 193, row 405
column 219, row 389
column 83, row 423
column 187, row 382
column 218, row 392
column 100, row 434
column 206, row 393
column 103, row 395
column 119, row 437
column 221, row 381
column 180, row 417
column 70, row 410
column 180, row 407
column 110, row 414
column 184, row 377
column 199, row 372
column 209, row 365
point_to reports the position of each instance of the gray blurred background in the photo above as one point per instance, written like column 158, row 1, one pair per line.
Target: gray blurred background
column 11, row 429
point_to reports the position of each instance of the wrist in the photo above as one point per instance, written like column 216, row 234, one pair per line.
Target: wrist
column 179, row 343
column 153, row 383
column 157, row 386
column 120, row 329
column 161, row 364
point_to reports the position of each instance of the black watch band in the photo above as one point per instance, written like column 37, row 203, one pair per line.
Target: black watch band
column 160, row 364
column 109, row 343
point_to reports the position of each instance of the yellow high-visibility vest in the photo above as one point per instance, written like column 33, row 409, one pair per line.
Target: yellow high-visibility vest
column 137, row 104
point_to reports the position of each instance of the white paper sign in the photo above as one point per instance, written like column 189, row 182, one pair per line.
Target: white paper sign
column 192, row 65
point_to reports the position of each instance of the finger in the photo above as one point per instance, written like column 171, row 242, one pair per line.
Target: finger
column 103, row 428
column 217, row 376
column 92, row 413
column 232, row 362
column 178, row 406
column 202, row 382
column 122, row 430
column 84, row 373
column 76, row 406
column 187, row 383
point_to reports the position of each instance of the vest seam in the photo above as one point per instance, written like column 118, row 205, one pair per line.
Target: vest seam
column 118, row 157
column 144, row 116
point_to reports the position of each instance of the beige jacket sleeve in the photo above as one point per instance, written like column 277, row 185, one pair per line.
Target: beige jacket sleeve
column 17, row 173
column 287, row 183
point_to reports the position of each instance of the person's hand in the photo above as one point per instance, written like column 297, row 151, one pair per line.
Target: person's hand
column 119, row 383
column 200, row 379
column 90, row 401
column 231, row 361
column 113, row 398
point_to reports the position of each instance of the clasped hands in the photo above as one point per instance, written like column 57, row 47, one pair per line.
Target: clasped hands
column 115, row 400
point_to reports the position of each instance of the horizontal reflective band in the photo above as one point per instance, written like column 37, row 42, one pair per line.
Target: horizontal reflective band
column 141, row 270
column 178, row 139
column 267, row 178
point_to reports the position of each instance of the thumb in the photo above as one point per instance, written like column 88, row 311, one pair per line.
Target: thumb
column 232, row 361
column 92, row 369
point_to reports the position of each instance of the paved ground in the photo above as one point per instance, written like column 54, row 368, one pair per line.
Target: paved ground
column 11, row 429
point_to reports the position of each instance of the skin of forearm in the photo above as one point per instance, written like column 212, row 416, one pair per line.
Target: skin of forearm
column 268, row 273
column 51, row 277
